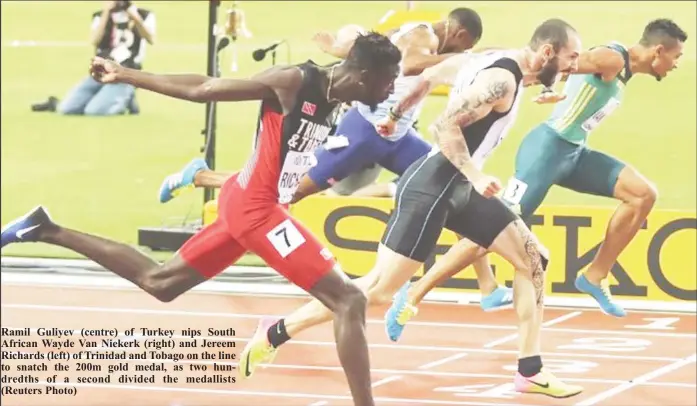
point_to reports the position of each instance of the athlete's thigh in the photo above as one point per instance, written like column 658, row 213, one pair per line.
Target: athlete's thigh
column 404, row 152
column 595, row 173
column 335, row 164
column 480, row 219
column 542, row 159
column 421, row 207
column 211, row 250
column 289, row 248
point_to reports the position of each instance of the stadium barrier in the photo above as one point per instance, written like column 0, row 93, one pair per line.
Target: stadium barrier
column 658, row 270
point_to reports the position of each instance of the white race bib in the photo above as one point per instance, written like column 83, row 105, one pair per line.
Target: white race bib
column 593, row 121
column 294, row 168
column 514, row 191
column 336, row 142
column 285, row 238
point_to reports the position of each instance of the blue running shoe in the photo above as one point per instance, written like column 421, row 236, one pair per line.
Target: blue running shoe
column 601, row 294
column 499, row 299
column 399, row 313
column 176, row 183
column 25, row 228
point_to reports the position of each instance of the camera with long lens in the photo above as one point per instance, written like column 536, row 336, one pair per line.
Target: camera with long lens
column 121, row 5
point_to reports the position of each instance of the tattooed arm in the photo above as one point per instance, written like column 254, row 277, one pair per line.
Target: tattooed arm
column 491, row 91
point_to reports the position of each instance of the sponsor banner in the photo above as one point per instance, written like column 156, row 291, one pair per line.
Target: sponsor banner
column 658, row 265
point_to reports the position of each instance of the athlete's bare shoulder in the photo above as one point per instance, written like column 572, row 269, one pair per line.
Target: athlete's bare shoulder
column 420, row 39
column 281, row 76
column 286, row 81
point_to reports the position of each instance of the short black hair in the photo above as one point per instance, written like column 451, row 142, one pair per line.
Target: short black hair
column 664, row 32
column 373, row 51
column 469, row 20
column 554, row 31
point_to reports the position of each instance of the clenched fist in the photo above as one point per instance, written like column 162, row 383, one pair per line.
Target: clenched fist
column 487, row 186
column 549, row 97
column 324, row 40
column 105, row 70
column 385, row 127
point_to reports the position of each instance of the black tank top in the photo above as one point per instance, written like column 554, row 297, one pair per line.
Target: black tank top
column 307, row 126
column 284, row 144
column 477, row 133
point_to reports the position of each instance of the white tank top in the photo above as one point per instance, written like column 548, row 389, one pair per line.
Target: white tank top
column 403, row 85
column 485, row 135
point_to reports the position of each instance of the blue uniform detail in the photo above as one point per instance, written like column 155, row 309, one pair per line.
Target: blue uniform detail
column 366, row 147
column 25, row 228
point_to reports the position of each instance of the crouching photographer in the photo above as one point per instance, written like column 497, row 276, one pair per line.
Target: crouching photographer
column 119, row 32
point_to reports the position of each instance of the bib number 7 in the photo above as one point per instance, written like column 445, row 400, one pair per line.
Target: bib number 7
column 285, row 238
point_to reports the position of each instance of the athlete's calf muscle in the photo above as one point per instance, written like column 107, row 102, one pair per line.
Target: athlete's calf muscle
column 211, row 179
column 171, row 279
column 520, row 248
column 533, row 255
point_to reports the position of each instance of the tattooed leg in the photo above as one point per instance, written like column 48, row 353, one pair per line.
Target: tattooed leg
column 519, row 246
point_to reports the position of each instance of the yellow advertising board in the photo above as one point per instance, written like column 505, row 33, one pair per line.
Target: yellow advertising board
column 658, row 265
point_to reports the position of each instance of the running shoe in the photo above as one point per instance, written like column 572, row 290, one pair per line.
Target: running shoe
column 25, row 228
column 258, row 349
column 499, row 299
column 601, row 294
column 399, row 313
column 176, row 183
column 545, row 383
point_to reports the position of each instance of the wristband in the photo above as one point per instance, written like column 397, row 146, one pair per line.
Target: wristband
column 394, row 116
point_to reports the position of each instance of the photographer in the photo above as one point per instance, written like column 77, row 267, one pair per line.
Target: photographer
column 119, row 32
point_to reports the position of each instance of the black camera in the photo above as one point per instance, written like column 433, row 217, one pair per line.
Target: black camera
column 122, row 5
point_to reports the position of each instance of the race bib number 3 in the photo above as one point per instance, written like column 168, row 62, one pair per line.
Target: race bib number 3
column 285, row 238
column 514, row 191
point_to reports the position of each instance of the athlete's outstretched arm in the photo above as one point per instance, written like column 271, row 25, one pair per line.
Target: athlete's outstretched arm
column 603, row 61
column 419, row 49
column 443, row 73
column 489, row 90
column 340, row 45
column 270, row 84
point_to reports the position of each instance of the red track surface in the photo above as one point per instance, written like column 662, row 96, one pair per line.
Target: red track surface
column 450, row 355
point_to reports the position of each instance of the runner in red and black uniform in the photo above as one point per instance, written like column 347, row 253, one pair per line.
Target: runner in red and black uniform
column 297, row 102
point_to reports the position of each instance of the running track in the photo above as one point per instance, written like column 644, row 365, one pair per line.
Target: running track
column 450, row 355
